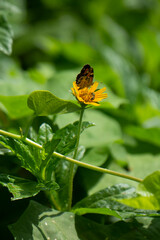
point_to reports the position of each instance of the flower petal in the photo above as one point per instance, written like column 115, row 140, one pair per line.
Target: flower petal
column 101, row 90
column 93, row 87
column 75, row 86
column 73, row 91
column 89, row 95
column 93, row 103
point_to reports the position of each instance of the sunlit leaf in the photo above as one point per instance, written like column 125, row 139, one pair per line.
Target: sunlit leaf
column 107, row 202
column 148, row 193
column 45, row 103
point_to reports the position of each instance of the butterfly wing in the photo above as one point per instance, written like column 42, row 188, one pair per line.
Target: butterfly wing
column 85, row 77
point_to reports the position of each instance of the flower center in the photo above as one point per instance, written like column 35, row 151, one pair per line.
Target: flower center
column 86, row 95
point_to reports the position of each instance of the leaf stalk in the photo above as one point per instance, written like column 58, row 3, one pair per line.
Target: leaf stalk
column 72, row 160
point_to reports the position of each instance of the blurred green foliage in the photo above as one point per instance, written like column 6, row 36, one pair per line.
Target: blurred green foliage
column 45, row 43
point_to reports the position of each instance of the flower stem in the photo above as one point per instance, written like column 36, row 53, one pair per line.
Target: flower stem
column 71, row 174
column 78, row 132
column 79, row 163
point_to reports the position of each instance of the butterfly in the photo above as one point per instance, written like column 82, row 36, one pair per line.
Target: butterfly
column 85, row 77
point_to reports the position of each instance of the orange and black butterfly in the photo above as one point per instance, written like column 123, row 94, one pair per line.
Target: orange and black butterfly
column 85, row 77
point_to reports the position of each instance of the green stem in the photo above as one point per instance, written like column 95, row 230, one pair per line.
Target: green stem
column 71, row 174
column 81, row 164
column 78, row 132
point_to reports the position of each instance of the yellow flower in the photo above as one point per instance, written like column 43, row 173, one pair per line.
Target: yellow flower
column 89, row 95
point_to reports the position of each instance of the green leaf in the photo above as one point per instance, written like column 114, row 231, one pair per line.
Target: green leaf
column 107, row 202
column 6, row 35
column 85, row 125
column 39, row 222
column 50, row 146
column 150, row 135
column 104, row 211
column 47, row 168
column 107, row 129
column 140, row 228
column 45, row 103
column 151, row 184
column 47, row 139
column 45, row 134
column 104, row 198
column 119, row 153
column 94, row 181
column 20, row 108
column 20, row 187
column 34, row 160
column 148, row 192
column 68, row 136
column 29, row 157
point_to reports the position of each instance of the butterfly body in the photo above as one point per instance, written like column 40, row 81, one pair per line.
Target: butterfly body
column 85, row 77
